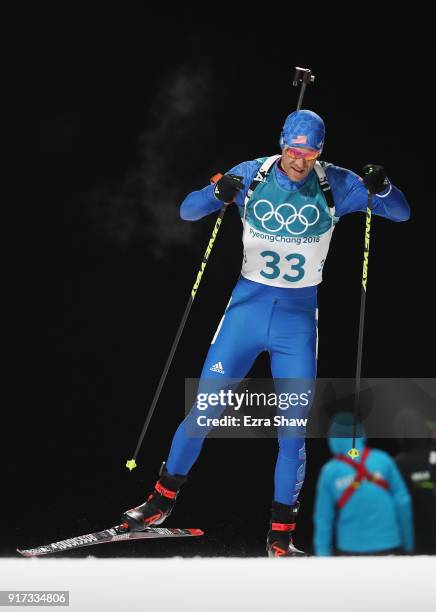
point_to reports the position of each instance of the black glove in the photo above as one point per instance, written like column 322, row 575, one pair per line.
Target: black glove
column 374, row 178
column 226, row 189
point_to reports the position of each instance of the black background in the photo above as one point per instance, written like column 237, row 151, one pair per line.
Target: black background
column 136, row 106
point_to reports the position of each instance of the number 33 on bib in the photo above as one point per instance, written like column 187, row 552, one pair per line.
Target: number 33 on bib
column 286, row 234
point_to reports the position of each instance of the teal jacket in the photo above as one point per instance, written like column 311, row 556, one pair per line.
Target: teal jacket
column 373, row 519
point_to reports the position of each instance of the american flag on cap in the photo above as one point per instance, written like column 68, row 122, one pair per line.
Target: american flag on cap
column 299, row 140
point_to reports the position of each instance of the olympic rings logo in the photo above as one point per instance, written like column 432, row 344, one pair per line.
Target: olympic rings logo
column 286, row 219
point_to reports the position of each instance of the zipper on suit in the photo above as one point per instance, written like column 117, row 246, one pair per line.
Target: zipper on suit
column 271, row 315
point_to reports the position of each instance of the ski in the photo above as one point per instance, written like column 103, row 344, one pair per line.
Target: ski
column 118, row 533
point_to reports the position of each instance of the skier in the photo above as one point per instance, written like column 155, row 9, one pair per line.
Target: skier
column 289, row 205
column 364, row 503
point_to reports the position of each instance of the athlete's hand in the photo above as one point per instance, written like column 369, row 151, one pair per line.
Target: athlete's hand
column 374, row 178
column 227, row 188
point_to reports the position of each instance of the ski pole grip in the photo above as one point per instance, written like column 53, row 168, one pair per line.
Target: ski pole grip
column 215, row 178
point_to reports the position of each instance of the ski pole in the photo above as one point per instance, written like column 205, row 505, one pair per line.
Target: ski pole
column 353, row 452
column 131, row 463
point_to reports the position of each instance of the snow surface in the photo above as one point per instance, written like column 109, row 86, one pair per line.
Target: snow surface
column 370, row 584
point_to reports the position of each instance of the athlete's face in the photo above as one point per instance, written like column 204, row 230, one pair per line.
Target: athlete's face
column 297, row 168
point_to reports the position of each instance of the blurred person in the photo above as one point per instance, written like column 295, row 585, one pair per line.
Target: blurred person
column 417, row 464
column 362, row 506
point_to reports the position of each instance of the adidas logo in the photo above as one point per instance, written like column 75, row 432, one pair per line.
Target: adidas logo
column 217, row 367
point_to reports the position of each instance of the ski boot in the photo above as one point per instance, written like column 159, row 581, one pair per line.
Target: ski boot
column 158, row 505
column 279, row 540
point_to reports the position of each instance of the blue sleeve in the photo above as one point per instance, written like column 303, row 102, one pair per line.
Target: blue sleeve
column 403, row 505
column 350, row 195
column 324, row 516
column 200, row 203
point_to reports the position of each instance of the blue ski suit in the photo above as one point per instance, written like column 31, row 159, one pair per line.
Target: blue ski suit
column 287, row 227
column 374, row 519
